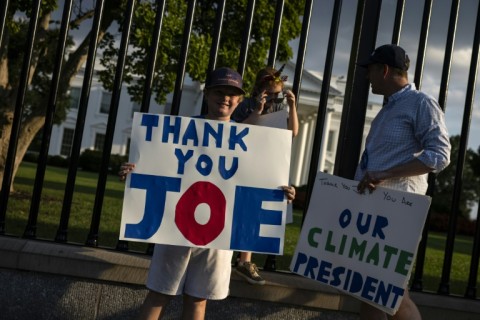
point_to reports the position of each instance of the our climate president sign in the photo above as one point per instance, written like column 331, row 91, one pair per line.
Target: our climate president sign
column 363, row 245
column 206, row 183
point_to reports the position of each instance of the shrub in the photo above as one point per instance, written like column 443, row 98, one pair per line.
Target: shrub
column 439, row 222
column 31, row 156
column 116, row 161
column 58, row 161
column 91, row 160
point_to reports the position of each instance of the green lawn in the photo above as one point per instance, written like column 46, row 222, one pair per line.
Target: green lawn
column 82, row 208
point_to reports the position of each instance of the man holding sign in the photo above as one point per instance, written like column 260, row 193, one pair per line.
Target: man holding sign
column 198, row 273
column 407, row 140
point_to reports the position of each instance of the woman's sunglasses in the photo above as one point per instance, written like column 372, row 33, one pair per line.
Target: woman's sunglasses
column 275, row 98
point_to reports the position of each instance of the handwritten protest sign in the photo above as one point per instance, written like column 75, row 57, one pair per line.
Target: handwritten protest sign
column 363, row 245
column 206, row 183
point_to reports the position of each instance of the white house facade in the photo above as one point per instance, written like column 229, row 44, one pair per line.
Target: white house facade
column 191, row 103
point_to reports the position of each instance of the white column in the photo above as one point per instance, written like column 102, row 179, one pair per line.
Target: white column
column 326, row 132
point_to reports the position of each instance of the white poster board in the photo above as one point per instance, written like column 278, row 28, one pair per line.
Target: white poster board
column 204, row 183
column 278, row 119
column 363, row 245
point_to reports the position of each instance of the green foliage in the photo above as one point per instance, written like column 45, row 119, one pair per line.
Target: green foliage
column 58, row 161
column 43, row 59
column 444, row 186
column 171, row 38
column 90, row 160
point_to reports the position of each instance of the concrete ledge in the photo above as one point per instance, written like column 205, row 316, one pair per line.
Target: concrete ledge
column 118, row 268
column 78, row 261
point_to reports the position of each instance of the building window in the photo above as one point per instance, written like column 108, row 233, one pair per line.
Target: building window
column 105, row 105
column 67, row 142
column 135, row 108
column 74, row 98
column 330, row 142
column 99, row 141
column 127, row 151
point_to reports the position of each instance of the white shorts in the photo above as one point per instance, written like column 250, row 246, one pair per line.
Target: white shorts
column 197, row 272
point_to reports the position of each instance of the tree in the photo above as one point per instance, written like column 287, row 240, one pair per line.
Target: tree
column 36, row 99
column 442, row 199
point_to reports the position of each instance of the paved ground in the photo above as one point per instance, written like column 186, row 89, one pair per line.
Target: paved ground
column 243, row 309
column 30, row 295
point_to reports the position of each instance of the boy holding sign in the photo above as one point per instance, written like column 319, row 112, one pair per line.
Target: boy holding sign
column 196, row 273
column 407, row 140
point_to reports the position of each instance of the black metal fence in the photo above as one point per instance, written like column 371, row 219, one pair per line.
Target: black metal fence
column 353, row 115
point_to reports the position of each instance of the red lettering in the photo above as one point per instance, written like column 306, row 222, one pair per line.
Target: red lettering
column 198, row 193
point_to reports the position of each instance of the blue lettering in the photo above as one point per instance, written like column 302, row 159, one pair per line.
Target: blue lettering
column 149, row 121
column 324, row 270
column 301, row 259
column 363, row 228
column 368, row 287
column 380, row 223
column 336, row 276
column 310, row 268
column 227, row 174
column 383, row 293
column 217, row 135
column 190, row 134
column 357, row 283
column 237, row 138
column 156, row 188
column 347, row 279
column 248, row 215
column 345, row 218
column 171, row 129
column 204, row 165
column 398, row 292
column 182, row 159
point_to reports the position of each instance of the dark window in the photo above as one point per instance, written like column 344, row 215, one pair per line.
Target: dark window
column 105, row 105
column 99, row 141
column 330, row 142
column 74, row 98
column 67, row 142
column 127, row 152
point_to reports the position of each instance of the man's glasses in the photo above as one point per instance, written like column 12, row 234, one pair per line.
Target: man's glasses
column 275, row 98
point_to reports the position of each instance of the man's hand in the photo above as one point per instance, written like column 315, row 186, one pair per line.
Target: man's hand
column 370, row 181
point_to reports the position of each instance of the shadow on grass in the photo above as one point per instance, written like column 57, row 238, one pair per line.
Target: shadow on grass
column 431, row 285
column 75, row 235
column 59, row 186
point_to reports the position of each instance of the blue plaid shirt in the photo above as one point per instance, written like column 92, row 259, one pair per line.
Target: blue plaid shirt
column 411, row 125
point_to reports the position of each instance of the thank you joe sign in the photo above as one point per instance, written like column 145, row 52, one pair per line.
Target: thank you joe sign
column 204, row 183
column 363, row 245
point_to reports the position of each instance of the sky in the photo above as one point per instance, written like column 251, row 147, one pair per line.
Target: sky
column 409, row 39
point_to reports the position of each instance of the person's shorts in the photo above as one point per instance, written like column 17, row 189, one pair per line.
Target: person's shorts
column 197, row 272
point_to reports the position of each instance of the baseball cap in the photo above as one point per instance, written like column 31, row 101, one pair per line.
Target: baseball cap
column 225, row 77
column 389, row 54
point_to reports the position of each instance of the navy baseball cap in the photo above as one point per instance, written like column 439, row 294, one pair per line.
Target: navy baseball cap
column 389, row 54
column 225, row 77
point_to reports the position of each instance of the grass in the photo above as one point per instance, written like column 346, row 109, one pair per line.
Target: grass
column 81, row 216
